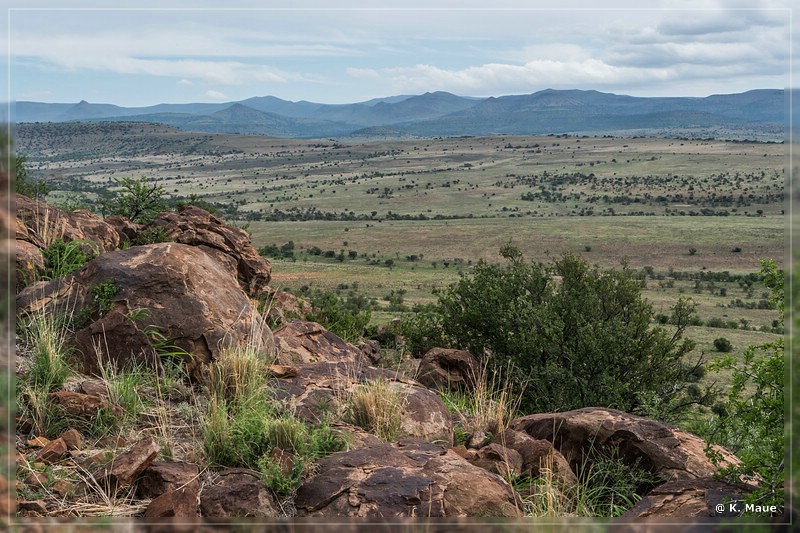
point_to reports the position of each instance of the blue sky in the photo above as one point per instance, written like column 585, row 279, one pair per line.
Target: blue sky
column 345, row 52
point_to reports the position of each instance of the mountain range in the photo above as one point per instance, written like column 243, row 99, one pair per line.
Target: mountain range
column 756, row 114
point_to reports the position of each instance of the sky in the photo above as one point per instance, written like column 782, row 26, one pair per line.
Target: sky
column 343, row 52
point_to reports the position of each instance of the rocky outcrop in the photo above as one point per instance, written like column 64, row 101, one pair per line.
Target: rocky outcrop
column 238, row 493
column 448, row 369
column 319, row 390
column 43, row 223
column 537, row 454
column 688, row 499
column 172, row 284
column 308, row 342
column 661, row 448
column 197, row 227
column 407, row 479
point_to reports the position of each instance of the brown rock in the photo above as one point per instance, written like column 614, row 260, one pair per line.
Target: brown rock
column 32, row 508
column 197, row 227
column 120, row 342
column 448, row 369
column 172, row 281
column 127, row 466
column 30, row 263
column 309, row 342
column 499, row 460
column 40, row 219
column 38, row 479
column 72, row 438
column 96, row 388
column 81, row 405
column 127, row 230
column 64, row 488
column 237, row 493
column 283, row 307
column 282, row 371
column 407, row 479
column 661, row 448
column 537, row 453
column 687, row 499
column 179, row 503
column 54, row 452
column 38, row 442
column 163, row 477
column 320, row 389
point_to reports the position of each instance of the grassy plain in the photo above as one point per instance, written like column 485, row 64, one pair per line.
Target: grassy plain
column 417, row 212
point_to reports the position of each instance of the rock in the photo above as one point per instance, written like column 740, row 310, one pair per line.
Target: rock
column 171, row 281
column 321, row 389
column 408, row 479
column 308, row 342
column 64, row 488
column 163, row 477
column 661, row 448
column 121, row 343
column 38, row 479
column 281, row 371
column 31, row 508
column 179, row 503
column 686, row 499
column 536, row 453
column 94, row 387
column 371, row 349
column 126, row 467
column 197, row 227
column 38, row 442
column 40, row 219
column 81, row 405
column 283, row 307
column 237, row 493
column 30, row 264
column 448, row 369
column 72, row 438
column 127, row 230
column 478, row 440
column 499, row 460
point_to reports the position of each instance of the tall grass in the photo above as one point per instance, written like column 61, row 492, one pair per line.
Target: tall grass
column 378, row 408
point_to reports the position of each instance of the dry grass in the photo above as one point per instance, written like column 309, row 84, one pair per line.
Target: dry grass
column 377, row 407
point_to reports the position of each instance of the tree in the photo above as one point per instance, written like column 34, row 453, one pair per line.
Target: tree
column 753, row 423
column 574, row 335
column 136, row 200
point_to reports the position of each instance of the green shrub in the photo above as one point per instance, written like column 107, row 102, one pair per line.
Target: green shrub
column 578, row 335
column 150, row 235
column 752, row 423
column 346, row 317
column 722, row 344
column 62, row 258
column 135, row 200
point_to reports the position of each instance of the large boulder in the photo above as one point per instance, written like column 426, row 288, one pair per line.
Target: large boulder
column 689, row 499
column 408, row 479
column 197, row 227
column 321, row 390
column 448, row 369
column 189, row 298
column 237, row 493
column 44, row 223
column 308, row 342
column 661, row 448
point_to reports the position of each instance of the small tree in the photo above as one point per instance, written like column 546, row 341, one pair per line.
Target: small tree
column 136, row 200
column 579, row 336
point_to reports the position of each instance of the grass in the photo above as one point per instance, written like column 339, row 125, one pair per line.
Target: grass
column 488, row 408
column 377, row 407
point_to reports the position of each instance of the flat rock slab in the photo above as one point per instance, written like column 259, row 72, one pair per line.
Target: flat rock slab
column 411, row 478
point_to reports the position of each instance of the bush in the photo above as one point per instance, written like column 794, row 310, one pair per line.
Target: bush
column 346, row 317
column 752, row 423
column 136, row 200
column 723, row 345
column 578, row 335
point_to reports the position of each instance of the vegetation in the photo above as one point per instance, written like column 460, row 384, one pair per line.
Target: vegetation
column 752, row 424
column 582, row 334
column 136, row 199
column 62, row 258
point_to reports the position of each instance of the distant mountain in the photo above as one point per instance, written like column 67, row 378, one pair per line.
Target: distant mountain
column 760, row 112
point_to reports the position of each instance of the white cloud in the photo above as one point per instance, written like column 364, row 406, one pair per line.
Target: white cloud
column 185, row 83
column 216, row 95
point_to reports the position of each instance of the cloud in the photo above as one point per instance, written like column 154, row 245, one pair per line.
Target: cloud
column 216, row 95
column 185, row 83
